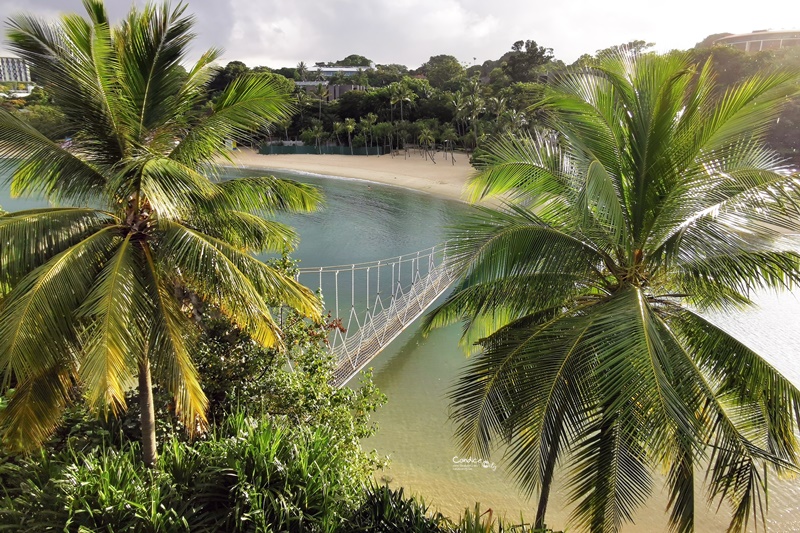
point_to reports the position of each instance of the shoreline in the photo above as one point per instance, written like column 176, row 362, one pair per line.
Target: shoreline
column 442, row 179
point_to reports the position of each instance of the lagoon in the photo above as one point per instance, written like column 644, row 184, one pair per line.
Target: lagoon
column 363, row 222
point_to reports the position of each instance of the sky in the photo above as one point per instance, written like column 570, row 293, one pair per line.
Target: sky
column 279, row 33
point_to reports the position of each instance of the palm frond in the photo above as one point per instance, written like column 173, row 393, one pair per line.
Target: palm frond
column 38, row 166
column 36, row 405
column 236, row 282
column 30, row 238
column 171, row 338
column 114, row 314
column 154, row 44
column 266, row 195
column 247, row 232
column 246, row 104
column 36, row 317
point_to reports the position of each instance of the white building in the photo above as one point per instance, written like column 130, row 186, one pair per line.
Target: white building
column 14, row 70
column 758, row 41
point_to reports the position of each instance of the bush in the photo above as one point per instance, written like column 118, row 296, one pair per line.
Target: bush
column 248, row 475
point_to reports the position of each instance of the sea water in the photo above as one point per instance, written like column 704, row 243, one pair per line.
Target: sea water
column 365, row 222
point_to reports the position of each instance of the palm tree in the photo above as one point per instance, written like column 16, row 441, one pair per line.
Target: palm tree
column 367, row 122
column 317, row 131
column 405, row 94
column 426, row 140
column 302, row 70
column 649, row 202
column 350, row 127
column 321, row 93
column 460, row 108
column 449, row 138
column 338, row 128
column 284, row 124
column 88, row 294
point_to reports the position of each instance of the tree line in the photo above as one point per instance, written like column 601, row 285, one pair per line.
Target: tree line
column 443, row 103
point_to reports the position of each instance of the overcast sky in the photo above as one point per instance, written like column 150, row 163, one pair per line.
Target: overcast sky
column 280, row 33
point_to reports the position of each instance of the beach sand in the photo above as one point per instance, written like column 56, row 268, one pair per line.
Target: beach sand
column 442, row 178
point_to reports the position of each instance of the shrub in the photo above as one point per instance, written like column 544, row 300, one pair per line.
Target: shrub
column 248, row 475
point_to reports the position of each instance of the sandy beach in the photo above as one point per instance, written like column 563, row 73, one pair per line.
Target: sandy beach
column 413, row 172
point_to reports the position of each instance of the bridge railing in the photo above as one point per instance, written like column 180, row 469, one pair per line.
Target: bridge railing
column 370, row 303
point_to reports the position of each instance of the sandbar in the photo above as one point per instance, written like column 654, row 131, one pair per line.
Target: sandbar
column 412, row 171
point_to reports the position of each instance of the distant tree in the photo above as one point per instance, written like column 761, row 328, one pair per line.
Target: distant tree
column 426, row 140
column 226, row 75
column 321, row 93
column 284, row 124
column 350, row 104
column 338, row 128
column 350, row 127
column 442, row 71
column 353, row 60
column 402, row 93
column 48, row 120
column 367, row 123
column 525, row 60
column 384, row 75
column 522, row 96
column 302, row 71
column 286, row 72
column 383, row 130
column 39, row 96
column 708, row 42
column 730, row 64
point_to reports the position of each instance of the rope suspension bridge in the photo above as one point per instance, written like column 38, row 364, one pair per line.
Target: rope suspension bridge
column 373, row 302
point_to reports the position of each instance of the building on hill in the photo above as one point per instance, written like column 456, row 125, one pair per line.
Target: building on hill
column 760, row 40
column 323, row 71
column 15, row 71
column 333, row 91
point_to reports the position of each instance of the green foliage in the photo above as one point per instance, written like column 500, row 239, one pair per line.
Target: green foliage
column 443, row 72
column 250, row 474
column 353, row 60
column 47, row 119
column 386, row 510
column 89, row 306
column 525, row 61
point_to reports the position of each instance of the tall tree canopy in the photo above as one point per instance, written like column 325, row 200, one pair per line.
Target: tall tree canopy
column 525, row 59
column 89, row 291
column 650, row 200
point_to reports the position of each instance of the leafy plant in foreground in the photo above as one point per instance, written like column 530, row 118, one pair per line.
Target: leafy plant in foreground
column 88, row 304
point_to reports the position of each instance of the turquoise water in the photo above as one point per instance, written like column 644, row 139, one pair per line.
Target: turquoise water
column 363, row 222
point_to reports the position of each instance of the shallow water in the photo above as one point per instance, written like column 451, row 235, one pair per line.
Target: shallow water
column 364, row 222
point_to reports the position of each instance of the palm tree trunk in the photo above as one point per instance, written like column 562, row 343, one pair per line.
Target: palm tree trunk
column 147, row 413
column 549, row 468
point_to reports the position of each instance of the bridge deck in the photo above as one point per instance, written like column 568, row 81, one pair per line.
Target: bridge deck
column 358, row 350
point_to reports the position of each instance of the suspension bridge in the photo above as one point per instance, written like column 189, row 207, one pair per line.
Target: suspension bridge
column 372, row 303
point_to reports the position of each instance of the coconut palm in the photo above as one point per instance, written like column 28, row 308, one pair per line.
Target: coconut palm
column 302, row 70
column 367, row 123
column 350, row 127
column 648, row 203
column 321, row 93
column 88, row 294
column 400, row 93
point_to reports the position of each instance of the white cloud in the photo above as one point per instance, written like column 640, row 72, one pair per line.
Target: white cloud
column 281, row 33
